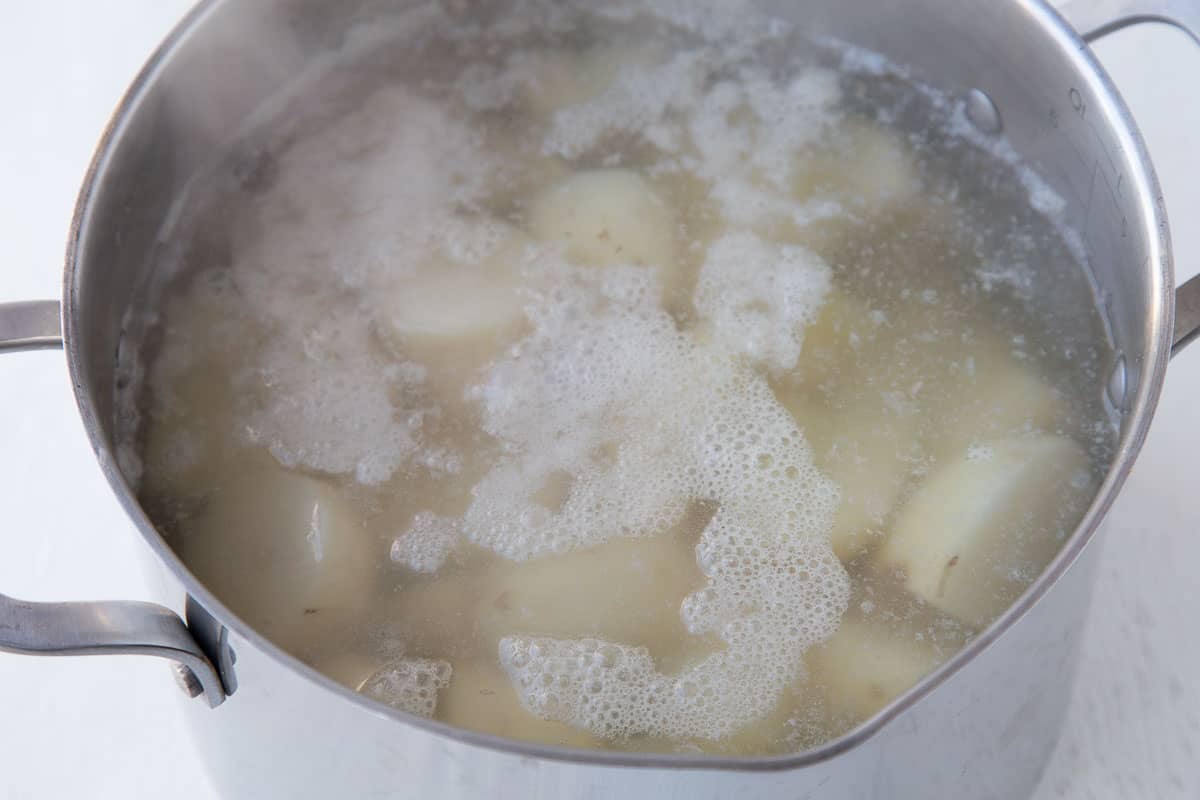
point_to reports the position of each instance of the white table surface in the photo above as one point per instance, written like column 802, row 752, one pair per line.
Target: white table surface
column 110, row 728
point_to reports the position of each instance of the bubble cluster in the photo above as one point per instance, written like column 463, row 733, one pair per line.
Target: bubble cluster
column 758, row 296
column 427, row 543
column 315, row 385
column 410, row 684
column 646, row 420
column 767, row 601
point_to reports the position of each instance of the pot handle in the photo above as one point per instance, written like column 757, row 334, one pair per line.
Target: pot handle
column 103, row 628
column 1094, row 19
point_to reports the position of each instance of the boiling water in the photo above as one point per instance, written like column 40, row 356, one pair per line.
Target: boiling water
column 621, row 379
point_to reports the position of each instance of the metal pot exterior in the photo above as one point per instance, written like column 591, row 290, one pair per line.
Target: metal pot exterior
column 980, row 727
column 986, row 733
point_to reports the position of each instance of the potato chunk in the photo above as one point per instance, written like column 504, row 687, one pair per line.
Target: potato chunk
column 982, row 527
column 562, row 80
column 480, row 698
column 869, row 452
column 461, row 304
column 845, row 334
column 863, row 667
column 409, row 684
column 626, row 590
column 607, row 217
column 866, row 169
column 862, row 444
column 440, row 616
column 284, row 552
column 992, row 395
column 347, row 667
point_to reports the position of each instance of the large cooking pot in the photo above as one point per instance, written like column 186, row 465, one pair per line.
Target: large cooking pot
column 981, row 726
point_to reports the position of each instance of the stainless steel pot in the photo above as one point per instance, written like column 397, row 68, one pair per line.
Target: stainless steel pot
column 982, row 726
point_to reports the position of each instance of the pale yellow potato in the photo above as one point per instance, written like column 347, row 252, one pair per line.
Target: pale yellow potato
column 991, row 394
column 627, row 590
column 781, row 730
column 348, row 667
column 563, row 80
column 979, row 529
column 189, row 427
column 846, row 335
column 865, row 666
column 441, row 615
column 862, row 175
column 481, row 698
column 608, row 217
column 454, row 307
column 869, row 451
column 865, row 168
column 409, row 684
column 185, row 447
column 285, row 552
column 862, row 444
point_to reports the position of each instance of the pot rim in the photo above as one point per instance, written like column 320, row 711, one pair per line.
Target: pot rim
column 1160, row 315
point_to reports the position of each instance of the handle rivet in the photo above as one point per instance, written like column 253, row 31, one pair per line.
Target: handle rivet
column 186, row 680
column 982, row 112
column 1118, row 384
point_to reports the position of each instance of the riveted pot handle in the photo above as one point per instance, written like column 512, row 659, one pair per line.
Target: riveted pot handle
column 30, row 326
column 1096, row 18
column 107, row 628
column 1187, row 315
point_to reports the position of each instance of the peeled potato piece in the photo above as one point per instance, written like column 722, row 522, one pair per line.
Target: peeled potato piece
column 863, row 176
column 188, row 427
column 868, row 451
column 406, row 684
column 992, row 395
column 786, row 729
column 563, row 80
column 980, row 528
column 188, row 436
column 607, row 217
column 863, row 667
column 864, row 446
column 284, row 552
column 438, row 616
column 409, row 684
column 349, row 668
column 459, row 306
column 845, row 334
column 865, row 169
column 625, row 590
column 480, row 698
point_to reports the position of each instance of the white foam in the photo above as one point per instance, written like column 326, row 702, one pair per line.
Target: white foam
column 427, row 543
column 410, row 684
column 325, row 395
column 1042, row 197
column 758, row 297
column 638, row 98
column 748, row 133
column 645, row 421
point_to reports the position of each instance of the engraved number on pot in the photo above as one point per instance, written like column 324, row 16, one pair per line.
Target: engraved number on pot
column 1077, row 102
